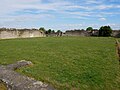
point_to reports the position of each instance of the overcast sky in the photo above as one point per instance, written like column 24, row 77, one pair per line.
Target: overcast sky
column 59, row 14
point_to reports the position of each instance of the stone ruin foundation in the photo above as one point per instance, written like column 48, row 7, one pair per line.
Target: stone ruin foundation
column 11, row 80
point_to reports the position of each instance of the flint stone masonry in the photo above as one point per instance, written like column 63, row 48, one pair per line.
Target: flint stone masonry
column 20, row 33
column 116, row 33
column 77, row 33
column 8, row 33
column 16, row 81
column 95, row 32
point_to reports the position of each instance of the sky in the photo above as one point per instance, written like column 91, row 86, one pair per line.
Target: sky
column 60, row 14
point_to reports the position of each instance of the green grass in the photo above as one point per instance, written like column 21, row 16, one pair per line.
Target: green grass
column 68, row 63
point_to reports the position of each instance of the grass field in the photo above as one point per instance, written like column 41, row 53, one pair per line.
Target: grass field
column 68, row 63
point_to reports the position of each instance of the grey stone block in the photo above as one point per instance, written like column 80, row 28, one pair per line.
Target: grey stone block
column 16, row 81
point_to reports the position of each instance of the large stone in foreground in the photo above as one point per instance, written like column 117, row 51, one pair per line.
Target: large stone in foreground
column 16, row 81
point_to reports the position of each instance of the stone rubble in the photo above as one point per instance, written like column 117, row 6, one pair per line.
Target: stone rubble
column 16, row 81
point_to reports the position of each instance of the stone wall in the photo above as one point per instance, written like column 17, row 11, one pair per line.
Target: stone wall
column 29, row 33
column 20, row 33
column 77, row 33
column 11, row 80
column 115, row 33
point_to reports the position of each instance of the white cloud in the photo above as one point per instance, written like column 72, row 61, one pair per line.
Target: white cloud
column 102, row 19
column 85, row 25
column 22, row 10
column 93, row 1
column 8, row 7
column 114, row 26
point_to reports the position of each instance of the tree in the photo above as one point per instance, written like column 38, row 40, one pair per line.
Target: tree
column 42, row 29
column 105, row 31
column 59, row 33
column 49, row 31
column 53, row 31
column 89, row 29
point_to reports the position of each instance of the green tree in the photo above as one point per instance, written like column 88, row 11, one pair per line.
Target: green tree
column 49, row 31
column 89, row 29
column 105, row 31
column 53, row 31
column 58, row 31
column 42, row 29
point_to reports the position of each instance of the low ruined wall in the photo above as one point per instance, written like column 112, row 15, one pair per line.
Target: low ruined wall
column 29, row 33
column 20, row 33
column 77, row 33
column 116, row 33
column 11, row 80
column 5, row 34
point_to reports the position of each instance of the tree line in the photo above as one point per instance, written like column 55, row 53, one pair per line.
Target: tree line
column 49, row 31
column 104, row 31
